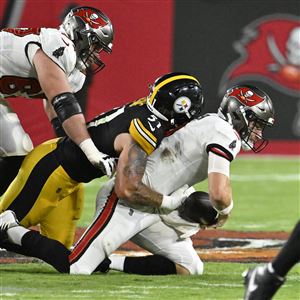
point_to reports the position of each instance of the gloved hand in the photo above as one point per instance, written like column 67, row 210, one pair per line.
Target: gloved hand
column 173, row 201
column 98, row 159
column 108, row 165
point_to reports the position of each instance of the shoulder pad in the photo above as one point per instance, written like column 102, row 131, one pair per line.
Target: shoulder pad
column 226, row 137
column 146, row 134
column 59, row 48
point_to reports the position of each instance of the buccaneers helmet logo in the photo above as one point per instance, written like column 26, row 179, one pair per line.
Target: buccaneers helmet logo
column 270, row 52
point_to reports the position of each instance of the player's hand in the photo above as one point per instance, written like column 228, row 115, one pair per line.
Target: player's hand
column 173, row 201
column 108, row 165
column 221, row 221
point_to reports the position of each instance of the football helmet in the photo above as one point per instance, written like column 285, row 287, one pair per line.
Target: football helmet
column 249, row 110
column 92, row 32
column 176, row 98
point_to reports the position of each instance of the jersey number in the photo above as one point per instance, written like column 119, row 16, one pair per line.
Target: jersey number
column 23, row 31
column 17, row 86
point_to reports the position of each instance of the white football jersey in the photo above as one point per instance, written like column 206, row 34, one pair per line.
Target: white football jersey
column 182, row 158
column 17, row 49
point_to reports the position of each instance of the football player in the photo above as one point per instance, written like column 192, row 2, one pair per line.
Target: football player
column 202, row 149
column 51, row 63
column 262, row 282
column 53, row 169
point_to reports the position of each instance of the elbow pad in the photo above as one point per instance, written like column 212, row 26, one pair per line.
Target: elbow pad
column 65, row 106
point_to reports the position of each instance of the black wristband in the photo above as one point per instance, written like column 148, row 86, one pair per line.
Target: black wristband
column 65, row 106
column 57, row 127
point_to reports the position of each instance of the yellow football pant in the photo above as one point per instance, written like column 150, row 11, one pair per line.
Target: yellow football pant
column 44, row 194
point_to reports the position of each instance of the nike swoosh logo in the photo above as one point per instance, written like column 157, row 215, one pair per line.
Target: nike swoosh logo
column 151, row 127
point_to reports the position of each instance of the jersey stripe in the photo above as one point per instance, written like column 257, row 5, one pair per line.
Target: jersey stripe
column 142, row 136
column 95, row 229
column 220, row 150
column 160, row 85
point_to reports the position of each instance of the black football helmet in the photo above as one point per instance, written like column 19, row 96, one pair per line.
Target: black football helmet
column 176, row 98
column 92, row 32
column 247, row 107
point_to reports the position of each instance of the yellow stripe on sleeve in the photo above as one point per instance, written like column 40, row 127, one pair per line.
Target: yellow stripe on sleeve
column 142, row 136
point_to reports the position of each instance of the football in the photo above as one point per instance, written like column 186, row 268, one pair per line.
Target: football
column 197, row 208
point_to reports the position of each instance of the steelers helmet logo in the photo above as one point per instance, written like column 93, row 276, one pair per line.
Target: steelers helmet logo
column 182, row 105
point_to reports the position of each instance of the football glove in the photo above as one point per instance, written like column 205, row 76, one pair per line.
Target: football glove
column 108, row 165
column 173, row 201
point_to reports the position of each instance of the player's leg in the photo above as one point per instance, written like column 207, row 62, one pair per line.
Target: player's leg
column 60, row 223
column 39, row 186
column 171, row 255
column 113, row 225
column 14, row 145
column 14, row 237
column 263, row 281
column 289, row 254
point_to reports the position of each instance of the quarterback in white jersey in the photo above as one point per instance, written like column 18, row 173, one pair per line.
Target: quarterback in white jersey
column 50, row 63
column 202, row 149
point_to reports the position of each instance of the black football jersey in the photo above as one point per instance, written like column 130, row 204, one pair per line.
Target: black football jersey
column 135, row 118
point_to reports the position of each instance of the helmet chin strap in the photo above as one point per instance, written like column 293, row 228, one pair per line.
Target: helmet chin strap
column 157, row 113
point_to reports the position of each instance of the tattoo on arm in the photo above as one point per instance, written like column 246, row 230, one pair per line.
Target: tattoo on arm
column 134, row 171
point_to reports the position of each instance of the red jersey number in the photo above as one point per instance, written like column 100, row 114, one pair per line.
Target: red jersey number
column 12, row 86
column 23, row 31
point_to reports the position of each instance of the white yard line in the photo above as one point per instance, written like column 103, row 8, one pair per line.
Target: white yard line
column 266, row 177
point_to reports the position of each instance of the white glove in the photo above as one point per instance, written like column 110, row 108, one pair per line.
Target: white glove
column 173, row 201
column 98, row 159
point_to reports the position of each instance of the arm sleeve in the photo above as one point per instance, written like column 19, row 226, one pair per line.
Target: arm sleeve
column 218, row 164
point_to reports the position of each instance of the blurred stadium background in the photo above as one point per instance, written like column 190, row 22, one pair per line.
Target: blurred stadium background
column 222, row 42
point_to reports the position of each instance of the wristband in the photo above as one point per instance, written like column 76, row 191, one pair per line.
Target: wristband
column 166, row 202
column 90, row 150
column 226, row 210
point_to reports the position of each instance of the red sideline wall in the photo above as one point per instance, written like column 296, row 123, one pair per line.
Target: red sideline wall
column 142, row 51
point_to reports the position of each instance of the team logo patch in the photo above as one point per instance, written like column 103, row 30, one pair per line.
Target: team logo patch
column 232, row 145
column 58, row 52
column 182, row 105
column 246, row 96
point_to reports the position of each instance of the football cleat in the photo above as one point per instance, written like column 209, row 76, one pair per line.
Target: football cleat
column 104, row 265
column 8, row 220
column 260, row 283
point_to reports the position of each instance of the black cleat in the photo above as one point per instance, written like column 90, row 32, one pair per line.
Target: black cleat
column 260, row 283
column 104, row 265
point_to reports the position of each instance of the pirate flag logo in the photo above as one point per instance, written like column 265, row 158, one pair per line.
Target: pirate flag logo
column 270, row 52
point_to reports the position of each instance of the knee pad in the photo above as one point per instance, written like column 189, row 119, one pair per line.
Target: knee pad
column 14, row 140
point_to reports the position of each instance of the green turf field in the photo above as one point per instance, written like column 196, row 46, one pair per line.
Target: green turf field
column 266, row 194
column 220, row 281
